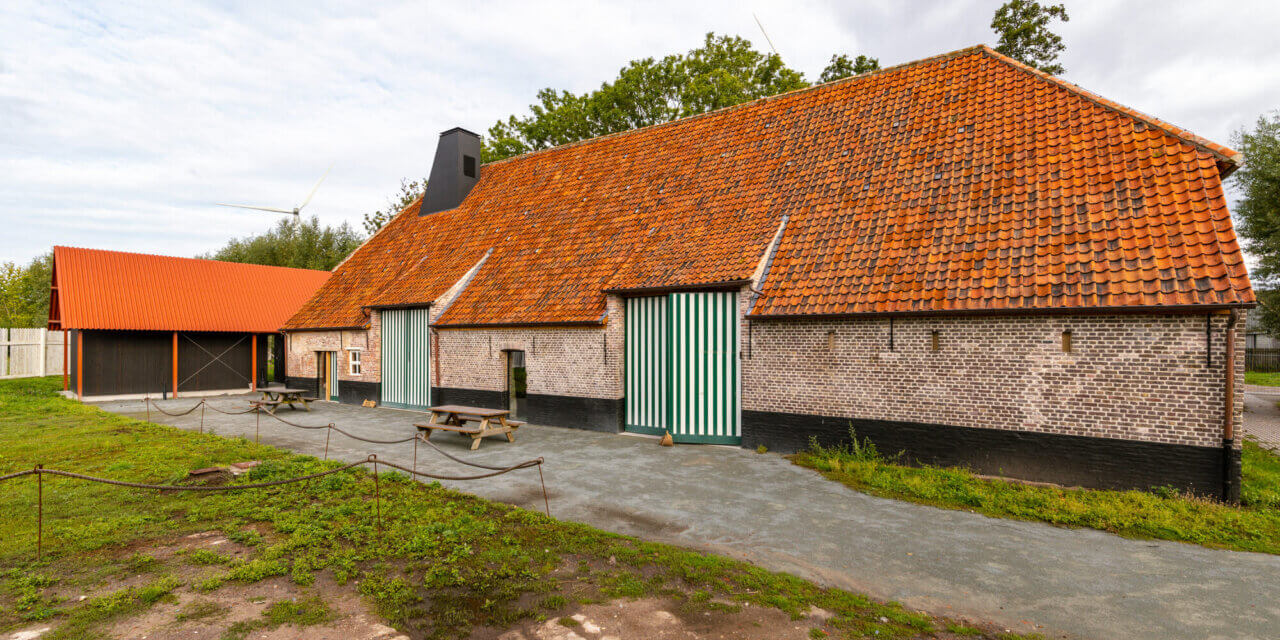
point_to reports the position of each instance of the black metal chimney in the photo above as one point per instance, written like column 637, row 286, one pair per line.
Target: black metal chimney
column 454, row 171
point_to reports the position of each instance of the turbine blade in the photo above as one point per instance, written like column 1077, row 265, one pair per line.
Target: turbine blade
column 245, row 206
column 313, row 189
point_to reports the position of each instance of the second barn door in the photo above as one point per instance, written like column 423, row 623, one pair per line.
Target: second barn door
column 682, row 366
column 406, row 358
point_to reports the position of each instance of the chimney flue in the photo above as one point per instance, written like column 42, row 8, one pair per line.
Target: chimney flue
column 453, row 172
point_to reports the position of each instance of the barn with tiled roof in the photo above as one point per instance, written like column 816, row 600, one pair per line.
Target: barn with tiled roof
column 961, row 258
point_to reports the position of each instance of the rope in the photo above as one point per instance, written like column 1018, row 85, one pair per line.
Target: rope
column 355, row 437
column 230, row 413
column 17, row 475
column 183, row 413
column 179, row 487
column 462, row 461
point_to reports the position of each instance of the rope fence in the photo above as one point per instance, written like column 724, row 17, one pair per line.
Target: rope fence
column 372, row 459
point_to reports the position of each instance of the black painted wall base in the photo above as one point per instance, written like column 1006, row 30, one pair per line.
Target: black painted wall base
column 353, row 392
column 1101, row 463
column 469, row 397
column 592, row 414
column 311, row 385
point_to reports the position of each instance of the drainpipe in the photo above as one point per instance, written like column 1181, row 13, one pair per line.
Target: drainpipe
column 1230, row 490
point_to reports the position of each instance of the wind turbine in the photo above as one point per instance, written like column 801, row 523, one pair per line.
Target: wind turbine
column 296, row 210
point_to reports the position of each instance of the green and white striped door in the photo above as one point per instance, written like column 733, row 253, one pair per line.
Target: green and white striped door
column 682, row 366
column 332, row 357
column 646, row 355
column 406, row 358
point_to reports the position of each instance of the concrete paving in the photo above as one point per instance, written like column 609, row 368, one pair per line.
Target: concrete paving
column 1075, row 583
column 1262, row 416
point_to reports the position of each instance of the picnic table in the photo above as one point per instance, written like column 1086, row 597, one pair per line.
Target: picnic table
column 455, row 418
column 273, row 397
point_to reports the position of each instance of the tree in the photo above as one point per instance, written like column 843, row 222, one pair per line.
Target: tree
column 723, row 72
column 1023, row 28
column 410, row 190
column 1258, row 210
column 301, row 244
column 24, row 292
column 842, row 67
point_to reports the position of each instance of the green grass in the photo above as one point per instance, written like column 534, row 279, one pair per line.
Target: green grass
column 444, row 562
column 1266, row 379
column 1165, row 515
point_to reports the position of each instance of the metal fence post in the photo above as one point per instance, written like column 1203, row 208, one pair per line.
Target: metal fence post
column 257, row 419
column 377, row 492
column 39, row 511
column 327, row 432
column 202, row 416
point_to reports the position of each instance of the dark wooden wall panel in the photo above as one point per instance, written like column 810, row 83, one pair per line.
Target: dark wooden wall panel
column 214, row 361
column 119, row 362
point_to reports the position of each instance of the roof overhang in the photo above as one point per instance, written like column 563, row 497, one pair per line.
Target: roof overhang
column 1188, row 309
column 677, row 288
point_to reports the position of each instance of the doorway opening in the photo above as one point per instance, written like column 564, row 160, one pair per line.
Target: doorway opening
column 327, row 374
column 517, row 383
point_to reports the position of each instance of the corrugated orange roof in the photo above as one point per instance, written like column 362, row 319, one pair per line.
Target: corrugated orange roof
column 96, row 289
column 962, row 182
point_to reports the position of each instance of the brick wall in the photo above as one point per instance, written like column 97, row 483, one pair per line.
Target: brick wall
column 561, row 361
column 1140, row 377
column 303, row 345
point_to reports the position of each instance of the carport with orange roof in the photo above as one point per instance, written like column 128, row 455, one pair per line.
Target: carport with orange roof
column 158, row 325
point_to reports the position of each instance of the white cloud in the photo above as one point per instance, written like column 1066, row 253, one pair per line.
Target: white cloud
column 120, row 124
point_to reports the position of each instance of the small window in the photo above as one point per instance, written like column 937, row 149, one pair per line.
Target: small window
column 469, row 166
column 1066, row 341
column 933, row 340
column 353, row 359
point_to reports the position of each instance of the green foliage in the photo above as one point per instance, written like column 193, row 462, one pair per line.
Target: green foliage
column 1258, row 211
column 24, row 292
column 1167, row 515
column 1023, row 30
column 1266, row 379
column 207, row 557
column 724, row 71
column 445, row 562
column 301, row 244
column 410, row 190
column 842, row 67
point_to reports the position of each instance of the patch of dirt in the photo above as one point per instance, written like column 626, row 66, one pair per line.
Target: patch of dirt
column 660, row 618
column 222, row 608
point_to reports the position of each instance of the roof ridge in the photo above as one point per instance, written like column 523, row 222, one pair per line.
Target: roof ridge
column 169, row 257
column 1224, row 154
column 742, row 105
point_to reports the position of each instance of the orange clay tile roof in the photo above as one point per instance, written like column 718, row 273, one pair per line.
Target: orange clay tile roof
column 964, row 182
column 96, row 289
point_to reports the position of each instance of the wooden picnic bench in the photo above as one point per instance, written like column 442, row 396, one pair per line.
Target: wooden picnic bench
column 456, row 418
column 276, row 396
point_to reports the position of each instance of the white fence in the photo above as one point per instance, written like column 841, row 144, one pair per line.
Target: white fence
column 26, row 353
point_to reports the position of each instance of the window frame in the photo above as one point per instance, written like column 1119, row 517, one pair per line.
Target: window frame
column 355, row 362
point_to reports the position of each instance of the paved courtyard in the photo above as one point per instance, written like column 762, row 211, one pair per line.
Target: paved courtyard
column 763, row 509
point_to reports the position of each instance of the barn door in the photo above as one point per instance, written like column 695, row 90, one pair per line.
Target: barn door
column 704, row 367
column 682, row 366
column 406, row 358
column 646, row 358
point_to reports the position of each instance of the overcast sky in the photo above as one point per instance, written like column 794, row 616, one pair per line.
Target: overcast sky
column 120, row 124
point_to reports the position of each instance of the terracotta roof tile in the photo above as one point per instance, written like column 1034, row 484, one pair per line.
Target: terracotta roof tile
column 961, row 182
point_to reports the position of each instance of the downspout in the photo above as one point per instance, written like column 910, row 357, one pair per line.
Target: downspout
column 1230, row 472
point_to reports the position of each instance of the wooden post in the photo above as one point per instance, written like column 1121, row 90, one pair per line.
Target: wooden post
column 253, row 384
column 175, row 364
column 44, row 352
column 80, row 364
column 66, row 361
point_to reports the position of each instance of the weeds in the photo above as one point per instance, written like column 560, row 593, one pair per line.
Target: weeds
column 1163, row 513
